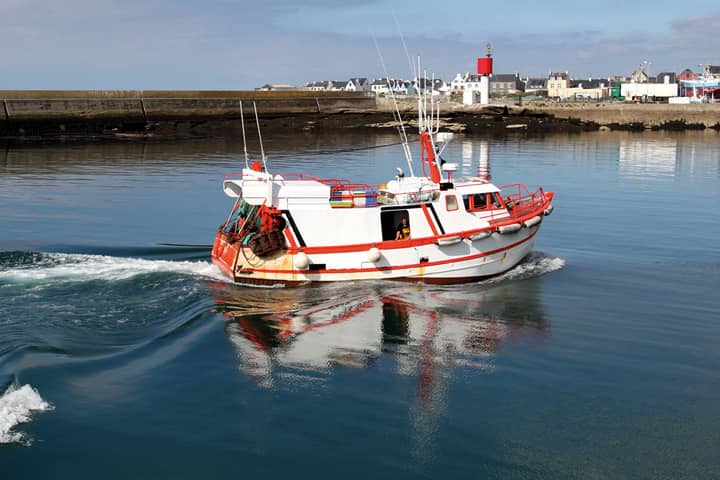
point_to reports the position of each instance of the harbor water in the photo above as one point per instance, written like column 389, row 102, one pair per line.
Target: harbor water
column 124, row 357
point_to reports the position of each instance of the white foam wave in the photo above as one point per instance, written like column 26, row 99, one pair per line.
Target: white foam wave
column 78, row 267
column 17, row 405
column 533, row 267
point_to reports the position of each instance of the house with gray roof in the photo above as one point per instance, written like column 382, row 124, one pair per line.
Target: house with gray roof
column 319, row 86
column 357, row 84
column 505, row 83
column 666, row 77
column 533, row 85
column 336, row 86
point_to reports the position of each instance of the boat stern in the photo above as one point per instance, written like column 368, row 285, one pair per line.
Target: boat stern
column 224, row 253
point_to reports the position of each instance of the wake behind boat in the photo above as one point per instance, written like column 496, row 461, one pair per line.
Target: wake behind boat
column 434, row 228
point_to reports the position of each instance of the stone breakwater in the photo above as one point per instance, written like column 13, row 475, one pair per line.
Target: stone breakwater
column 628, row 116
column 51, row 116
column 570, row 117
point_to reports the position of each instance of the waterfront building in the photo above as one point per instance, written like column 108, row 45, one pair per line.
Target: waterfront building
column 469, row 81
column 277, row 87
column 648, row 91
column 535, row 85
column 357, row 84
column 590, row 89
column 704, row 87
column 687, row 74
column 557, row 83
column 505, row 83
column 639, row 76
column 381, row 86
column 562, row 87
column 336, row 86
column 320, row 86
column 434, row 86
column 440, row 87
column 666, row 77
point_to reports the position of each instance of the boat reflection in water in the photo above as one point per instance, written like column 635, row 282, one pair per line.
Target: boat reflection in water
column 288, row 333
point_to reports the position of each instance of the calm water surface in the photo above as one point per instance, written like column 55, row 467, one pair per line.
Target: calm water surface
column 597, row 357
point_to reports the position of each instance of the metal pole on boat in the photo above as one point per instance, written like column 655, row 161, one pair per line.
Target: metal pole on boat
column 262, row 150
column 419, row 96
column 242, row 123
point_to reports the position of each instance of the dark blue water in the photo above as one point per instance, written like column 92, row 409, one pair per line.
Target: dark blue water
column 596, row 358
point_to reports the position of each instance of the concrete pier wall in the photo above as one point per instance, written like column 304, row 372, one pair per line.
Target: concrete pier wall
column 45, row 112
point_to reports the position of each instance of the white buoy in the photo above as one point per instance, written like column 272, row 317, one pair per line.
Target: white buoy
column 512, row 228
column 301, row 261
column 447, row 241
column 532, row 222
column 374, row 255
column 480, row 235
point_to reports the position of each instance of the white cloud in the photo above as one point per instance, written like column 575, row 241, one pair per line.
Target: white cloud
column 241, row 44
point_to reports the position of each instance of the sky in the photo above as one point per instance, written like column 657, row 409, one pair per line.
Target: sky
column 239, row 44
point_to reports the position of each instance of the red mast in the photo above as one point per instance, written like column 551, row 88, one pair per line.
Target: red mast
column 428, row 157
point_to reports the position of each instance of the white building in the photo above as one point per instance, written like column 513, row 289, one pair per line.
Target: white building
column 335, row 86
column 320, row 86
column 648, row 91
column 464, row 82
column 383, row 86
column 357, row 84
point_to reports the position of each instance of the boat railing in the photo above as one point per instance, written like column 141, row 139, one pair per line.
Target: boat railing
column 519, row 201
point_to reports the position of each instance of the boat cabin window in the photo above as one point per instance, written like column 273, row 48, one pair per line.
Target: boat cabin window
column 474, row 202
column 451, row 203
column 479, row 201
column 389, row 221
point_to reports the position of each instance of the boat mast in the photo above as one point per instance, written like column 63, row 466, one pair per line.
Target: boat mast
column 262, row 150
column 428, row 125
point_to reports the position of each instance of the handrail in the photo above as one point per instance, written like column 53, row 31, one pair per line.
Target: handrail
column 519, row 201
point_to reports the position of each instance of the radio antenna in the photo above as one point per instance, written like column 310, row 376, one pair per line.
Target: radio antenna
column 242, row 123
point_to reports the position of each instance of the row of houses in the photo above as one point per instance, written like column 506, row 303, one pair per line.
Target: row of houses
column 499, row 84
column 665, row 86
column 557, row 85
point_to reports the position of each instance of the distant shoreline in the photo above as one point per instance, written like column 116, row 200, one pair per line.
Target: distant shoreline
column 30, row 117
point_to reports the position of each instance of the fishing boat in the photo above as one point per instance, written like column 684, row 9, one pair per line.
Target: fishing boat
column 435, row 228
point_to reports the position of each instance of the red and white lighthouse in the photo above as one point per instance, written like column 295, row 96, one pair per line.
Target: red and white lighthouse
column 484, row 70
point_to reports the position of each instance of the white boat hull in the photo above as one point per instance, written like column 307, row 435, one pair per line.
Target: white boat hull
column 464, row 261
